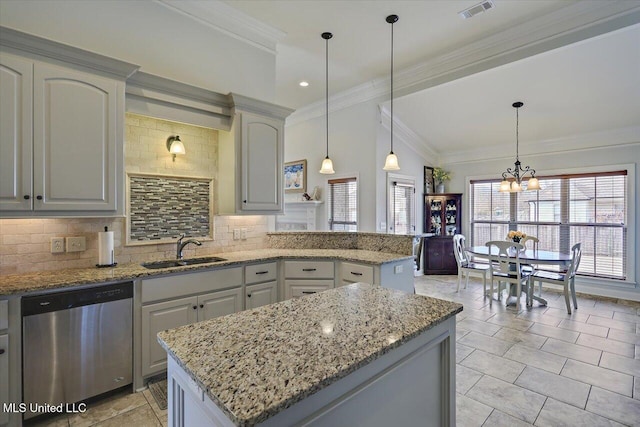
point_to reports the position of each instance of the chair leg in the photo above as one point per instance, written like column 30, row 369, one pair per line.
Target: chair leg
column 484, row 284
column 459, row 279
column 573, row 293
column 491, row 290
column 466, row 282
column 566, row 297
column 518, row 292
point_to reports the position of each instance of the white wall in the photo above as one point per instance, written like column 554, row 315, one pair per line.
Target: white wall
column 150, row 35
column 358, row 143
column 573, row 161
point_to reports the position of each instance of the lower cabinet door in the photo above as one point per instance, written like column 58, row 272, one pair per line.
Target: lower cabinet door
column 157, row 318
column 4, row 374
column 219, row 303
column 300, row 288
column 261, row 294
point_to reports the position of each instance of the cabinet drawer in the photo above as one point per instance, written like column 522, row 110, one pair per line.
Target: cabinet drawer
column 4, row 314
column 300, row 288
column 260, row 273
column 190, row 283
column 357, row 272
column 308, row 269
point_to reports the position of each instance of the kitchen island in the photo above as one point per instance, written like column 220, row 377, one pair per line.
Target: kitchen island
column 359, row 355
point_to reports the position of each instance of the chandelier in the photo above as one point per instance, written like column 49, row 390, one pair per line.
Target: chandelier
column 391, row 162
column 512, row 178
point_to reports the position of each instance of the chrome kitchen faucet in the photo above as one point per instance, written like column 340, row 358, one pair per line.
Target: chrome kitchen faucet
column 180, row 245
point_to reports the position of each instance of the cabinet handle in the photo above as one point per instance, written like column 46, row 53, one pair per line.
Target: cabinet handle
column 261, row 272
column 356, row 274
column 308, row 292
column 1, row 350
column 308, row 269
column 248, row 295
column 39, row 197
column 201, row 305
column 195, row 307
column 27, row 197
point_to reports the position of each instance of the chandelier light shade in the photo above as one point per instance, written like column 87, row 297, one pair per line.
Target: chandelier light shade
column 327, row 164
column 512, row 179
column 175, row 146
column 391, row 162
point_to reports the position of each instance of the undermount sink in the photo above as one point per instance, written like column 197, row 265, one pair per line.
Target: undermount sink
column 181, row 262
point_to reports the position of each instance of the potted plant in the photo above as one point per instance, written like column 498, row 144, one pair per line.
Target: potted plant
column 440, row 176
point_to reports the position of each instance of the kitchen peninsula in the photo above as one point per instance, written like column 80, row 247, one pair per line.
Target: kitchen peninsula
column 355, row 355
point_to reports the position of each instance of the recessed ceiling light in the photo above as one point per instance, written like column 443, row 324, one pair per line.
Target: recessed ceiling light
column 303, row 83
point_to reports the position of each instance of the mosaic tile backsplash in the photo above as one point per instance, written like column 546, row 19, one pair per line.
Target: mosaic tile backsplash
column 162, row 207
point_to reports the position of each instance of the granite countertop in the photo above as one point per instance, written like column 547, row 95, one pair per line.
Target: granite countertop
column 51, row 280
column 256, row 363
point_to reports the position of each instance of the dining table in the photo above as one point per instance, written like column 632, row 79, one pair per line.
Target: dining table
column 528, row 257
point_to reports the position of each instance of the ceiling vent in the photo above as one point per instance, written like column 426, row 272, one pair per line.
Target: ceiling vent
column 476, row 9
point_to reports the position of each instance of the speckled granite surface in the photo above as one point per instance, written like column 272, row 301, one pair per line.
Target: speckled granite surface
column 49, row 280
column 256, row 363
column 397, row 244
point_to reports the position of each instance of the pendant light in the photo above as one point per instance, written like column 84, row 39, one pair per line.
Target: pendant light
column 391, row 162
column 327, row 164
column 512, row 178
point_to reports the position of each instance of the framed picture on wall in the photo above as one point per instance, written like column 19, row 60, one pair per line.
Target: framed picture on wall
column 429, row 184
column 295, row 176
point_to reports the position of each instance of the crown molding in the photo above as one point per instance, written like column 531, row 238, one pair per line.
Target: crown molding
column 38, row 47
column 587, row 141
column 220, row 16
column 411, row 139
column 575, row 22
column 244, row 103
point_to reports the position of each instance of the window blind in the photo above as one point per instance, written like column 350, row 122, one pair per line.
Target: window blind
column 403, row 207
column 342, row 199
column 590, row 209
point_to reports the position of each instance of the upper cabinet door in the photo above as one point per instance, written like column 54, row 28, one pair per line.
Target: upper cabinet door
column 75, row 147
column 262, row 162
column 16, row 82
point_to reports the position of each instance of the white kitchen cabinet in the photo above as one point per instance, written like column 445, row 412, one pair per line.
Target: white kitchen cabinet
column 261, row 294
column 251, row 159
column 16, row 148
column 4, row 373
column 176, row 300
column 304, row 277
column 159, row 317
column 219, row 303
column 62, row 129
column 351, row 272
column 302, row 287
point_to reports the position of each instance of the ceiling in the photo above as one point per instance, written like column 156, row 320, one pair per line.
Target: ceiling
column 588, row 87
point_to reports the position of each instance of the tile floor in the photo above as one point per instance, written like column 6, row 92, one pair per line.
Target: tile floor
column 538, row 367
column 542, row 366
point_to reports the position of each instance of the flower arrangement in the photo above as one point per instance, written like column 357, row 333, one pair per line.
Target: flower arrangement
column 516, row 235
column 440, row 175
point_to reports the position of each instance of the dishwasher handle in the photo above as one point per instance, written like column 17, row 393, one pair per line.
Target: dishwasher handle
column 56, row 301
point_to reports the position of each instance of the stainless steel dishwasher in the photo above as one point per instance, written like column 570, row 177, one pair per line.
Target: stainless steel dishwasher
column 76, row 344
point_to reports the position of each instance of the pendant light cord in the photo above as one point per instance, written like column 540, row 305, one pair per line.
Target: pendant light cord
column 392, row 87
column 327, row 89
column 517, row 133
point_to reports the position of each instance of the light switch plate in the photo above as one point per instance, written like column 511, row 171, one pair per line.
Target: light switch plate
column 243, row 234
column 236, row 234
column 76, row 244
column 57, row 245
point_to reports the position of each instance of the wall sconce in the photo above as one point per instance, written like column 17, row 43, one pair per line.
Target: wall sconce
column 175, row 146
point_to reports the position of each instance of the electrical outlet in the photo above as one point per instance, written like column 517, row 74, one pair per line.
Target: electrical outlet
column 243, row 233
column 398, row 269
column 76, row 244
column 236, row 234
column 57, row 245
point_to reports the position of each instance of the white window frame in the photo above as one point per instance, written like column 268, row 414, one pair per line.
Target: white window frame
column 355, row 175
column 411, row 180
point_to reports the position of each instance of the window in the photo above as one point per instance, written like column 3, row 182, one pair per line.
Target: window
column 402, row 213
column 342, row 201
column 586, row 208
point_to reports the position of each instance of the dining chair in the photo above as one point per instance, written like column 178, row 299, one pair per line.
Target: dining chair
column 466, row 266
column 417, row 252
column 504, row 266
column 566, row 279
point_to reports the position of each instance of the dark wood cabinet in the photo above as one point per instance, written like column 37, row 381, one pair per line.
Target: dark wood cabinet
column 442, row 218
